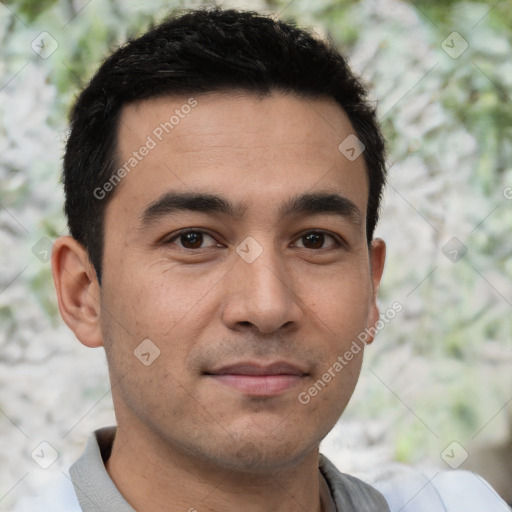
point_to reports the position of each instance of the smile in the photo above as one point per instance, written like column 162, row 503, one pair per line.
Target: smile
column 259, row 380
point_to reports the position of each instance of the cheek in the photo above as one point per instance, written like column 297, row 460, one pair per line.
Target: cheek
column 342, row 303
column 168, row 310
column 152, row 302
column 329, row 393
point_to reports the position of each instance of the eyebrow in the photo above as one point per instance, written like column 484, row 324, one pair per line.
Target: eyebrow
column 318, row 203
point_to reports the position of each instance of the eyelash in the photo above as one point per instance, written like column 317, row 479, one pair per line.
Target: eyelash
column 337, row 243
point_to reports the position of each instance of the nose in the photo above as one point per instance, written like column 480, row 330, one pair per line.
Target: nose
column 261, row 295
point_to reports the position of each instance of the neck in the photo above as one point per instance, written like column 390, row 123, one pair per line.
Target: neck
column 152, row 477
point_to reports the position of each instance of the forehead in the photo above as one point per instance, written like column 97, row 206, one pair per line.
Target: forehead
column 236, row 144
column 234, row 115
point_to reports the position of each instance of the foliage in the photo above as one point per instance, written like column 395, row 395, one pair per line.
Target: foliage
column 441, row 370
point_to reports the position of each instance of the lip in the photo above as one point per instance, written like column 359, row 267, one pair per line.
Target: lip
column 258, row 368
column 259, row 379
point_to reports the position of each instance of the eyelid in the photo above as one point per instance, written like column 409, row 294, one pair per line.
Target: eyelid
column 339, row 241
column 169, row 239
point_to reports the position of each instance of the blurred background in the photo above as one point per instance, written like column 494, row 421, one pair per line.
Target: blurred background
column 436, row 385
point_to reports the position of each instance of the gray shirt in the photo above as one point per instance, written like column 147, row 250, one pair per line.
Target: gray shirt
column 97, row 492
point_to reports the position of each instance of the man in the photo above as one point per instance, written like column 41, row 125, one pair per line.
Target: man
column 223, row 177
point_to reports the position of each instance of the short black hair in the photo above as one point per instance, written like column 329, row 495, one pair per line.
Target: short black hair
column 200, row 51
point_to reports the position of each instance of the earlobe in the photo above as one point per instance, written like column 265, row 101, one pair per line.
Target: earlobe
column 77, row 290
column 377, row 260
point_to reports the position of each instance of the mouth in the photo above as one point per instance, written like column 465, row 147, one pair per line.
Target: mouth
column 257, row 379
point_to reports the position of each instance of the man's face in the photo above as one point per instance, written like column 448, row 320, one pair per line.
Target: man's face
column 243, row 325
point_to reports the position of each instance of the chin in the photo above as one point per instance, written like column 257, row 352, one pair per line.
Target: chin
column 261, row 455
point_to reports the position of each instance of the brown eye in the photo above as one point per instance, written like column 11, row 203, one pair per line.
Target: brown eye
column 316, row 239
column 191, row 239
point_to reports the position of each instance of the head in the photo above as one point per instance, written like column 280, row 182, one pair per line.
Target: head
column 217, row 222
column 190, row 55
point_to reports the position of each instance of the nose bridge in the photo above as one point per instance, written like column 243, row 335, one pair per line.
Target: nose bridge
column 262, row 267
column 261, row 290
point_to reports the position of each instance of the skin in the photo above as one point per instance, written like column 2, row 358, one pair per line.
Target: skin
column 184, row 439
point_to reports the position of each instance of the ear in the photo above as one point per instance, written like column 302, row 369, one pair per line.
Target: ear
column 78, row 290
column 377, row 260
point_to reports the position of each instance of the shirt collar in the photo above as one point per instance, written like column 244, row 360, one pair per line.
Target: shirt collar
column 97, row 492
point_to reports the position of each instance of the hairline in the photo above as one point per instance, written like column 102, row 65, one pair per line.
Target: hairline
column 239, row 91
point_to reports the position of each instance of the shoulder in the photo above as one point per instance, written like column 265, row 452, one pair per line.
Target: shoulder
column 408, row 489
column 58, row 496
column 350, row 493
